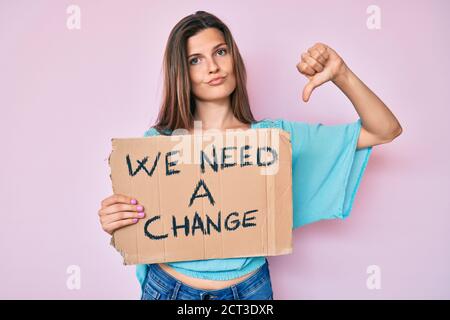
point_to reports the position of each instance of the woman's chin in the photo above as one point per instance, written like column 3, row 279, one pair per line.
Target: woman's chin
column 217, row 93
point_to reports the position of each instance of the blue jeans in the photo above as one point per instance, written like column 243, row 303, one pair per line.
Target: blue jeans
column 159, row 285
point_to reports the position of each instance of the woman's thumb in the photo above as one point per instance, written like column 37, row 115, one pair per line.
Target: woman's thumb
column 315, row 81
column 307, row 90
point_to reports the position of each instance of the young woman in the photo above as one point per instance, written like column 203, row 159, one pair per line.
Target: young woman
column 205, row 80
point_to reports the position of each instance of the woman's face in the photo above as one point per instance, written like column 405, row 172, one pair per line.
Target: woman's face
column 209, row 58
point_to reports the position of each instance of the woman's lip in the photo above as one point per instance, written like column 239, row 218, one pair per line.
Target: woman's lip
column 217, row 82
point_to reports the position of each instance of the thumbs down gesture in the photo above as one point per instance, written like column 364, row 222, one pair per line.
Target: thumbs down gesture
column 320, row 64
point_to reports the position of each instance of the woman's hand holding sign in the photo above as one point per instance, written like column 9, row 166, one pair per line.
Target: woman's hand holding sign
column 320, row 64
column 118, row 211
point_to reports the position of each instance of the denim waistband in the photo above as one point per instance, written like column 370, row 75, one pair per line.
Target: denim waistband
column 167, row 282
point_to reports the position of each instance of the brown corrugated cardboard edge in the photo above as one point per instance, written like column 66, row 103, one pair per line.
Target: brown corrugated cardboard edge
column 112, row 242
column 284, row 198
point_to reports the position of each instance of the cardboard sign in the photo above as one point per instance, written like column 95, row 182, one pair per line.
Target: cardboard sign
column 206, row 196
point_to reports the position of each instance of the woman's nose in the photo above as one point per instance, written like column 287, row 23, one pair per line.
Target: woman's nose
column 212, row 66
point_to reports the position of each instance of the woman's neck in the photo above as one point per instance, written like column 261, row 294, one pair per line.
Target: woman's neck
column 216, row 115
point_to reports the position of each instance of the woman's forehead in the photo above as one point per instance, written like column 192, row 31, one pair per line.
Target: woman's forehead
column 204, row 41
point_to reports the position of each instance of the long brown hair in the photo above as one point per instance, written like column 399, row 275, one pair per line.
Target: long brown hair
column 178, row 104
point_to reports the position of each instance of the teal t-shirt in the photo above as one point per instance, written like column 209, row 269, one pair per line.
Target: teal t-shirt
column 326, row 173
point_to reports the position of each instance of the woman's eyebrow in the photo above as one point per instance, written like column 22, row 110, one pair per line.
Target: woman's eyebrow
column 216, row 46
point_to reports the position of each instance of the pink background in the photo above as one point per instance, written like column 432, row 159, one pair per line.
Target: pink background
column 66, row 93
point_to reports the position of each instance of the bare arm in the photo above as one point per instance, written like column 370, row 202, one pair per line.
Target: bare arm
column 379, row 125
column 321, row 64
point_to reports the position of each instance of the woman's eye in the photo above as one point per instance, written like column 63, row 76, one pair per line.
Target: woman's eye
column 195, row 59
column 224, row 50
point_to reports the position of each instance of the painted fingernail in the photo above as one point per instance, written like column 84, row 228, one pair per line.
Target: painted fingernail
column 140, row 208
column 133, row 201
column 140, row 214
column 135, row 220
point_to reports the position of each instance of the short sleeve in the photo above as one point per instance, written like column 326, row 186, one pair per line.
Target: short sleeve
column 142, row 269
column 326, row 169
column 151, row 132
